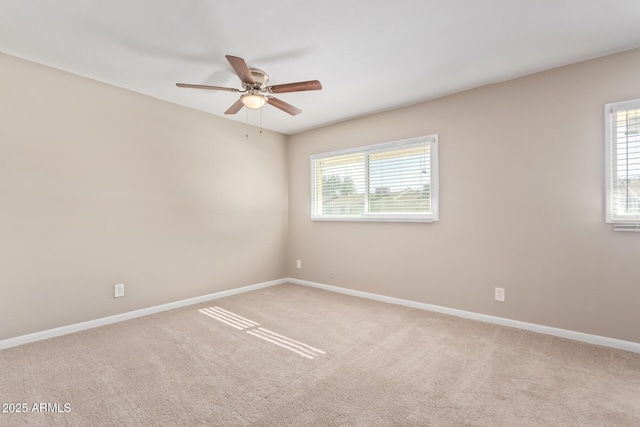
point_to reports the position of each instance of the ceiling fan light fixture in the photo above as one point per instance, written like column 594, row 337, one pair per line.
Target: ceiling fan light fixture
column 253, row 101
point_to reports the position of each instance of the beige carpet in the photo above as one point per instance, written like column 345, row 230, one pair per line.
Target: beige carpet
column 294, row 356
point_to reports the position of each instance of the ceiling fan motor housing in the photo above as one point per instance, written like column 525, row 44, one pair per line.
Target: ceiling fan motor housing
column 260, row 78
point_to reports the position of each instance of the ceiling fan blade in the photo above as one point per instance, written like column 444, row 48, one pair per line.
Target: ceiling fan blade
column 287, row 108
column 230, row 89
column 296, row 87
column 235, row 107
column 241, row 69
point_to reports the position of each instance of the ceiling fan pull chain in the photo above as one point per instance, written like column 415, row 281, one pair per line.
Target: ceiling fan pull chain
column 246, row 132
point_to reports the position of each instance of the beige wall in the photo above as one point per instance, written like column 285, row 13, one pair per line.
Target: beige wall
column 99, row 185
column 521, row 186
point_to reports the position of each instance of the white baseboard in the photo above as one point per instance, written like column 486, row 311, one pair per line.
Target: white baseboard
column 64, row 330
column 563, row 333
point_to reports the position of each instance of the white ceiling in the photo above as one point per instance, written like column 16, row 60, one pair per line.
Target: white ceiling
column 370, row 56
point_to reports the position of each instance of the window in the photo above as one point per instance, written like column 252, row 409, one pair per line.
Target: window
column 622, row 140
column 396, row 181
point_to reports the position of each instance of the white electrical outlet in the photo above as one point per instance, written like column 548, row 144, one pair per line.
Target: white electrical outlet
column 499, row 294
column 299, row 264
column 118, row 290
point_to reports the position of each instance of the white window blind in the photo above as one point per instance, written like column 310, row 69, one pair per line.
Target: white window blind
column 395, row 181
column 623, row 164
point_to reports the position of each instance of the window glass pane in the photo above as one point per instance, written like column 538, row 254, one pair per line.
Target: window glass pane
column 626, row 162
column 341, row 184
column 400, row 181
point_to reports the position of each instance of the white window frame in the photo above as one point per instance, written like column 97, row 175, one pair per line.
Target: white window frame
column 621, row 221
column 433, row 215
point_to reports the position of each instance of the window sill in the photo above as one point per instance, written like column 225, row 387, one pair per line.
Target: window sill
column 374, row 218
column 626, row 226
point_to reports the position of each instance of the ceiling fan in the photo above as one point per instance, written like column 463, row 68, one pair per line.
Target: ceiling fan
column 256, row 93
